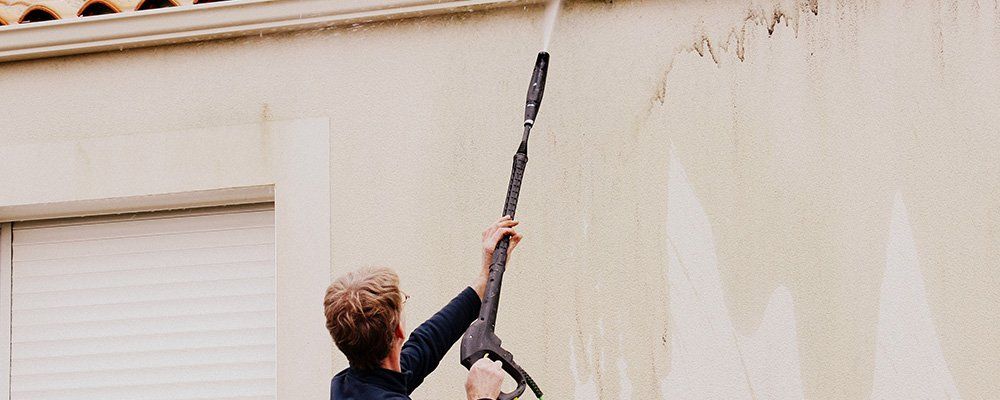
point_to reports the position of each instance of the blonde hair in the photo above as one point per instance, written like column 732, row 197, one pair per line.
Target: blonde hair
column 362, row 311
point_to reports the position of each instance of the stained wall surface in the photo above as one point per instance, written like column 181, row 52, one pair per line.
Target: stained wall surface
column 725, row 199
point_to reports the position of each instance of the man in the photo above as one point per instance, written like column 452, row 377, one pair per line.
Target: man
column 364, row 314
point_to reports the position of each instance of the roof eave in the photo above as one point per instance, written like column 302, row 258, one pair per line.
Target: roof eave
column 212, row 21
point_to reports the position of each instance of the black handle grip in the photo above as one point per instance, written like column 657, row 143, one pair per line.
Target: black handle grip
column 491, row 301
column 514, row 187
column 480, row 339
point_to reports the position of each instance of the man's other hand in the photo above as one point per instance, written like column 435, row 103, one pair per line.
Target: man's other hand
column 491, row 236
column 484, row 380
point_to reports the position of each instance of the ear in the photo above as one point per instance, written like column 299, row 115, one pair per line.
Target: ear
column 399, row 330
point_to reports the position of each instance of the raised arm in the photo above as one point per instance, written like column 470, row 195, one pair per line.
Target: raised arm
column 429, row 343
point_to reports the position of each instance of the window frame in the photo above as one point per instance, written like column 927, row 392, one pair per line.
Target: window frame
column 6, row 285
column 7, row 264
column 287, row 162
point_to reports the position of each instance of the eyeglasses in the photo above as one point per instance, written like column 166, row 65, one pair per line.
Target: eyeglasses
column 405, row 297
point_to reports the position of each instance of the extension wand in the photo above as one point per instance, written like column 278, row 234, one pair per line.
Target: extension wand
column 480, row 340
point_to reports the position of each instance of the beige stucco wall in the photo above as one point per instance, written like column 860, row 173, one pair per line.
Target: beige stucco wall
column 710, row 210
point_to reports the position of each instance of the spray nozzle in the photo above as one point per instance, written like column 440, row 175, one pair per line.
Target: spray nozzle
column 536, row 88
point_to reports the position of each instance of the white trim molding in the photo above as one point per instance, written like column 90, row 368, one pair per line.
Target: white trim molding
column 6, row 280
column 287, row 161
column 213, row 21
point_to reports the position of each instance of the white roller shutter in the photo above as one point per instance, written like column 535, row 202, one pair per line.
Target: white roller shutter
column 174, row 305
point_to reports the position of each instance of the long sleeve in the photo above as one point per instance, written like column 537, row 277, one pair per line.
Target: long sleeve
column 428, row 343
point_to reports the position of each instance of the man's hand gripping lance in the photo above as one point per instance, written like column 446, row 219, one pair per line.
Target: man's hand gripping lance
column 480, row 340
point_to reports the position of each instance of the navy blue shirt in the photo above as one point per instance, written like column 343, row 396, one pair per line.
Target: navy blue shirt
column 420, row 356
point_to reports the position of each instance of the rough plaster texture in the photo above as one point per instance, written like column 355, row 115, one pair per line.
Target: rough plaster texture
column 725, row 199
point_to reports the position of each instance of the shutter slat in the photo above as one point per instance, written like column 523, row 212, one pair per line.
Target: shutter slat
column 127, row 327
column 148, row 342
column 174, row 391
column 148, row 359
column 143, row 260
column 106, row 230
column 150, row 309
column 144, row 376
column 151, row 243
column 164, row 292
column 175, row 306
column 143, row 277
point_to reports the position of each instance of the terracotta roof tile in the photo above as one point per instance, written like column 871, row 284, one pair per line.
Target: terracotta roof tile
column 12, row 11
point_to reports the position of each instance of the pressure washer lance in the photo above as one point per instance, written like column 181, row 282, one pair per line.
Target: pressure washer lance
column 480, row 340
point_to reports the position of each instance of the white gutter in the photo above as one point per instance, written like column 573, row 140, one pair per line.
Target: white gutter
column 189, row 23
